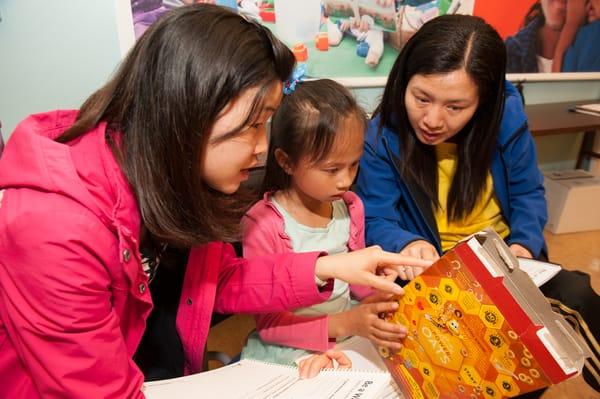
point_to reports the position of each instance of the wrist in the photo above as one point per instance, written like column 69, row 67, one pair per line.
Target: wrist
column 335, row 325
column 324, row 269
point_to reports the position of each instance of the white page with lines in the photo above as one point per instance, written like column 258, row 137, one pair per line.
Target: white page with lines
column 249, row 379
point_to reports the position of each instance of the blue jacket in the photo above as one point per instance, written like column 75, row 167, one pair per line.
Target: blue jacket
column 396, row 215
column 584, row 54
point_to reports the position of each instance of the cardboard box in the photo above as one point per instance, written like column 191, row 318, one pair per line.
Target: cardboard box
column 573, row 201
column 478, row 327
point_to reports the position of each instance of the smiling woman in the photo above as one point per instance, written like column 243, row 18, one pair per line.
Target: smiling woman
column 241, row 130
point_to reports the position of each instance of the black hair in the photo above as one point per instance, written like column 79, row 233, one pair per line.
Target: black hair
column 534, row 12
column 443, row 45
column 306, row 125
column 163, row 101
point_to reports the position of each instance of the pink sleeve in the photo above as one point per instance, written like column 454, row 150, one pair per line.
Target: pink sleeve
column 57, row 305
column 288, row 329
column 282, row 327
column 359, row 292
column 256, row 240
column 271, row 283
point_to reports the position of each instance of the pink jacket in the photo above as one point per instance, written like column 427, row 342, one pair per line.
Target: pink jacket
column 73, row 296
column 263, row 233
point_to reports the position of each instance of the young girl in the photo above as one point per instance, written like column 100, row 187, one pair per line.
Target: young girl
column 449, row 153
column 316, row 144
column 147, row 169
column 548, row 29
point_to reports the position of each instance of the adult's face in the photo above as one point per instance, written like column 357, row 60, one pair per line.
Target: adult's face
column 555, row 12
column 232, row 152
column 440, row 105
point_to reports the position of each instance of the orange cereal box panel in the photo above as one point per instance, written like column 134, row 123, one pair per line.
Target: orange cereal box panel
column 479, row 327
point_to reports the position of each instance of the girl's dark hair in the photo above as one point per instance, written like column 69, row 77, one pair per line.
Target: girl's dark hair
column 535, row 11
column 164, row 100
column 443, row 45
column 306, row 125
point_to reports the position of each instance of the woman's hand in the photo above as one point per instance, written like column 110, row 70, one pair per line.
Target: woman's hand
column 520, row 251
column 364, row 320
column 363, row 266
column 310, row 367
column 420, row 249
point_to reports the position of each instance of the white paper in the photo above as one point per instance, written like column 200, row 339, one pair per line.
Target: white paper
column 593, row 107
column 362, row 353
column 364, row 356
column 390, row 391
column 249, row 379
column 540, row 272
column 590, row 109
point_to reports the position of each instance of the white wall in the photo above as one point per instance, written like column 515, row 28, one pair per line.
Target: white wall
column 53, row 54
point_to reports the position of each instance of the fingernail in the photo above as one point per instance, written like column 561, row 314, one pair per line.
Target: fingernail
column 398, row 290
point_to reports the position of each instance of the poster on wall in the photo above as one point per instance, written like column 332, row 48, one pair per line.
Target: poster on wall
column 357, row 41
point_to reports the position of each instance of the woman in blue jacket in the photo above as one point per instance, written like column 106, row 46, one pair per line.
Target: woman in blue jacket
column 449, row 153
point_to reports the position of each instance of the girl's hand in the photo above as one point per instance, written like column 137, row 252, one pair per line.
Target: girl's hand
column 520, row 251
column 346, row 25
column 364, row 320
column 418, row 249
column 361, row 267
column 310, row 367
column 365, row 23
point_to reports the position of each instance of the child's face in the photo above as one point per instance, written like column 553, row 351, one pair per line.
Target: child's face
column 555, row 13
column 439, row 106
column 229, row 157
column 329, row 179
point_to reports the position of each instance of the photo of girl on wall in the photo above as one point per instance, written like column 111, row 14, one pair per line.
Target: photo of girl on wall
column 357, row 41
column 556, row 36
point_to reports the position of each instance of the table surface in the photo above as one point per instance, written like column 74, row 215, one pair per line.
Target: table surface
column 555, row 118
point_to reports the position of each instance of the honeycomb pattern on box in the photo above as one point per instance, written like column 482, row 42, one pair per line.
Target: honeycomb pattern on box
column 459, row 345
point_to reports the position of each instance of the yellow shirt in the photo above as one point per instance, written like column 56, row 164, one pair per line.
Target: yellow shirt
column 486, row 213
